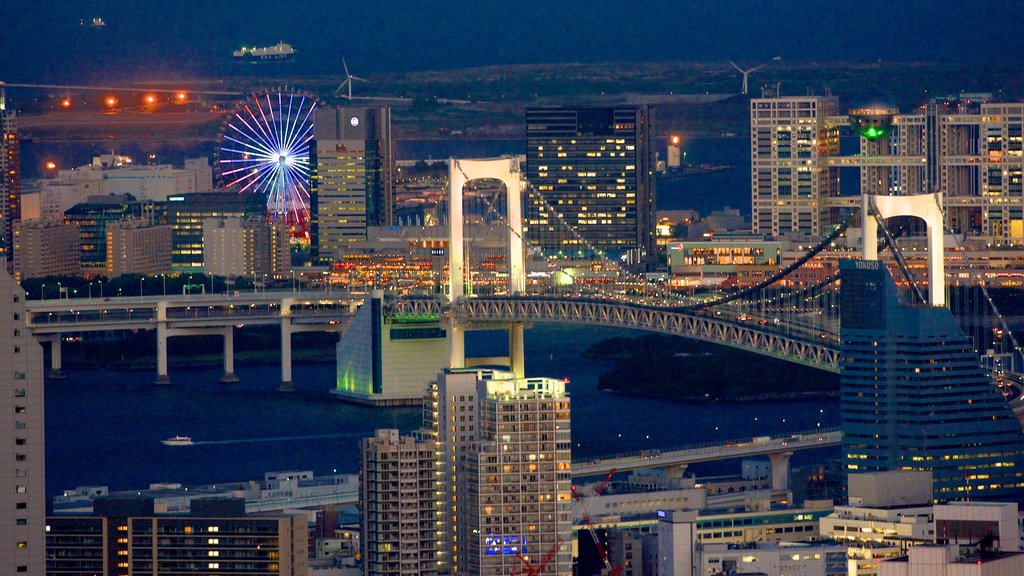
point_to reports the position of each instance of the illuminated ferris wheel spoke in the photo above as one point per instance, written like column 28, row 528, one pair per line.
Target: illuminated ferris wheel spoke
column 255, row 145
column 306, row 123
column 263, row 131
column 269, row 125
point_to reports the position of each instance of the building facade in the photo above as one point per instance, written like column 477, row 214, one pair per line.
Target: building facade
column 92, row 218
column 973, row 152
column 22, row 473
column 790, row 139
column 913, row 395
column 398, row 504
column 187, row 213
column 591, row 169
column 387, row 359
column 136, row 247
column 46, row 248
column 504, row 479
column 10, row 176
column 251, row 247
column 124, row 536
column 352, row 177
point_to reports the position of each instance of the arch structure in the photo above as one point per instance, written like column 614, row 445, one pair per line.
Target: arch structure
column 801, row 346
column 460, row 172
column 927, row 207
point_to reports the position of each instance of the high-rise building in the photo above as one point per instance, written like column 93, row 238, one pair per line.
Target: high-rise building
column 186, row 214
column 973, row 152
column 789, row 140
column 22, row 477
column 591, row 169
column 352, row 177
column 124, row 536
column 134, row 246
column 250, row 247
column 46, row 248
column 504, row 478
column 913, row 395
column 10, row 176
column 397, row 496
column 92, row 218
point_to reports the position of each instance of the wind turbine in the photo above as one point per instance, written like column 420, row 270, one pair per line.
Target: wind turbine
column 746, row 73
column 347, row 81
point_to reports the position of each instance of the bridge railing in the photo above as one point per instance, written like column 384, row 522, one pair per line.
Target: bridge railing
column 739, row 442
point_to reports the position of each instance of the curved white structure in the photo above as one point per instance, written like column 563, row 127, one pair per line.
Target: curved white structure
column 460, row 172
column 927, row 207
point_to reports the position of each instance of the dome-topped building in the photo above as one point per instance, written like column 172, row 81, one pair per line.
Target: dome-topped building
column 871, row 114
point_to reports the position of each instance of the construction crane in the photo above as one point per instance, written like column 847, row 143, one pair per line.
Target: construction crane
column 531, row 570
column 599, row 489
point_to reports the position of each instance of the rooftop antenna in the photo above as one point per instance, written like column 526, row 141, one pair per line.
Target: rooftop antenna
column 3, row 96
column 347, row 82
column 746, row 74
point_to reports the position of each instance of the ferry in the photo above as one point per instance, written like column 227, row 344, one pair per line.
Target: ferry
column 177, row 441
column 279, row 51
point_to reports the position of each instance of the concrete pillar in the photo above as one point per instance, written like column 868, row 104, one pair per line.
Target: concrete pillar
column 456, row 254
column 55, row 358
column 780, row 470
column 516, row 355
column 229, row 356
column 456, row 346
column 161, row 354
column 286, row 356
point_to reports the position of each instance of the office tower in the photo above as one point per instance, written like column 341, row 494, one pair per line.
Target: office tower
column 352, row 182
column 913, row 395
column 591, row 169
column 186, row 214
column 398, row 502
column 92, row 218
column 124, row 536
column 251, row 247
column 504, row 478
column 46, row 248
column 134, row 246
column 10, row 175
column 789, row 139
column 22, row 477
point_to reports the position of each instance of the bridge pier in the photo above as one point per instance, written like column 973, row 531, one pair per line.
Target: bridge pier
column 456, row 346
column 780, row 469
column 516, row 355
column 674, row 471
column 286, row 355
column 229, row 357
column 161, row 347
column 55, row 372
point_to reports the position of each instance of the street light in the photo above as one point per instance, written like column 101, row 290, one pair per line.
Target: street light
column 141, row 280
column 42, row 291
column 101, row 288
column 58, row 291
column 164, row 278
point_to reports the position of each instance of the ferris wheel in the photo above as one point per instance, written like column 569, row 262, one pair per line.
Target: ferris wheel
column 264, row 149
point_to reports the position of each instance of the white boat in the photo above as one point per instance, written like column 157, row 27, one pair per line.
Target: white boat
column 279, row 51
column 177, row 441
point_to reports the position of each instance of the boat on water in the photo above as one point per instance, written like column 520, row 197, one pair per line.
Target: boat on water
column 177, row 441
column 279, row 51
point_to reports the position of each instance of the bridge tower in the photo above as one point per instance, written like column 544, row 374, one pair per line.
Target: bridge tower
column 460, row 172
column 927, row 207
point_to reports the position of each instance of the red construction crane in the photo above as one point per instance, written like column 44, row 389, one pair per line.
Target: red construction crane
column 599, row 489
column 531, row 570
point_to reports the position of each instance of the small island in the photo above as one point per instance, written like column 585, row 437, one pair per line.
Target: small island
column 680, row 369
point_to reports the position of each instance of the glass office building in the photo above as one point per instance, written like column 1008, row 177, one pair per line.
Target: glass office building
column 591, row 169
column 915, row 397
